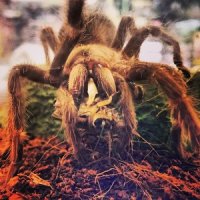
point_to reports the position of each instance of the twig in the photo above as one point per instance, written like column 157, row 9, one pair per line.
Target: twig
column 103, row 194
column 45, row 154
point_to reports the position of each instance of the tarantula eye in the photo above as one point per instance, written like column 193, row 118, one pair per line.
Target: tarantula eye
column 85, row 53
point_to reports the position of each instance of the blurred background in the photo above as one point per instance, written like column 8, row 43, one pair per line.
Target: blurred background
column 22, row 20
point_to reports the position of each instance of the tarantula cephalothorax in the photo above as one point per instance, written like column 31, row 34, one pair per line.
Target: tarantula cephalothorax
column 85, row 48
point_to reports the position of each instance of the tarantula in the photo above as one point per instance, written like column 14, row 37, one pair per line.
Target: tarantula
column 88, row 47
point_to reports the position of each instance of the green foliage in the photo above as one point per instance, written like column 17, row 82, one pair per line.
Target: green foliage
column 40, row 106
column 153, row 116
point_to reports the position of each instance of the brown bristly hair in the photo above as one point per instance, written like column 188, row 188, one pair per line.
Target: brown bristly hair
column 69, row 116
column 126, row 103
column 183, row 113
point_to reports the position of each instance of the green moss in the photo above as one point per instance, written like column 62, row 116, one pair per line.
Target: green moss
column 153, row 116
column 40, row 106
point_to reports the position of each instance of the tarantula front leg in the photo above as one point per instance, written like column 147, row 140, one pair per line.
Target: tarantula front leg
column 49, row 39
column 74, row 13
column 61, row 56
column 184, row 116
column 126, row 105
column 73, row 18
column 16, row 109
column 127, row 24
column 62, row 52
column 71, row 99
column 134, row 44
column 68, row 35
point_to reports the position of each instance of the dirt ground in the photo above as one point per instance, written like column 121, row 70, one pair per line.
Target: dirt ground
column 49, row 171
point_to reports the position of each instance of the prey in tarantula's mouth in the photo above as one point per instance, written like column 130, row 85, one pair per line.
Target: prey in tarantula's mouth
column 100, row 124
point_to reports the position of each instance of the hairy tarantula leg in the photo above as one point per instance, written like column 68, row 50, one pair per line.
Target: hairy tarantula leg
column 69, row 117
column 126, row 24
column 73, row 17
column 104, row 80
column 16, row 108
column 68, row 36
column 48, row 38
column 16, row 153
column 77, row 82
column 178, row 61
column 126, row 103
column 74, row 13
column 133, row 46
column 184, row 115
column 123, row 131
column 14, row 86
column 62, row 55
